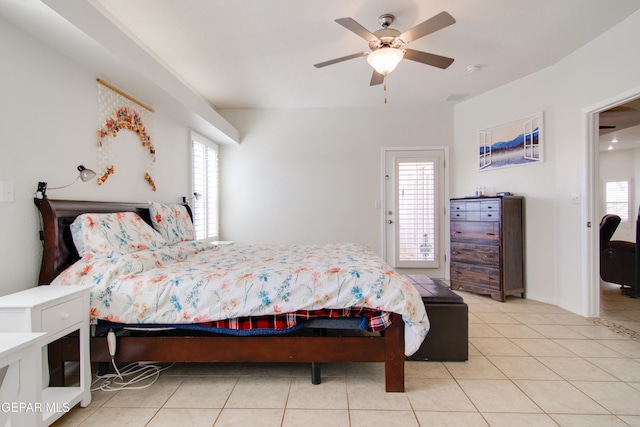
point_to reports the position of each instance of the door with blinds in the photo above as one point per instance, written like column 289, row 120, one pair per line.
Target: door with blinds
column 414, row 209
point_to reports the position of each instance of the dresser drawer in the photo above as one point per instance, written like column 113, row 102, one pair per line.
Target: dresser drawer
column 474, row 275
column 475, row 230
column 490, row 206
column 458, row 206
column 62, row 316
column 489, row 215
column 487, row 255
column 465, row 215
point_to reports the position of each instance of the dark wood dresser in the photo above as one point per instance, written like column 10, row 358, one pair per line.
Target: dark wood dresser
column 487, row 245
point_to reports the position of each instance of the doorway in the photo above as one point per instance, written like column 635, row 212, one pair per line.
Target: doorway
column 593, row 201
column 414, row 222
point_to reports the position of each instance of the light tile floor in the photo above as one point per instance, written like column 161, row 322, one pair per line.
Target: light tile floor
column 530, row 364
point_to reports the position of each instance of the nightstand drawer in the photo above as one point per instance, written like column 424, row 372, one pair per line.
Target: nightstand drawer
column 62, row 316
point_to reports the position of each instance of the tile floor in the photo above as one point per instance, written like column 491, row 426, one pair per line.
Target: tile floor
column 530, row 364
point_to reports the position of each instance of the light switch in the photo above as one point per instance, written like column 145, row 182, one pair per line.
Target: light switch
column 575, row 197
column 6, row 192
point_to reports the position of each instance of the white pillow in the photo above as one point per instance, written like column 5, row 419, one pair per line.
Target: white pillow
column 173, row 222
column 113, row 234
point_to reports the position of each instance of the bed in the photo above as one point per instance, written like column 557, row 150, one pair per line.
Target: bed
column 315, row 340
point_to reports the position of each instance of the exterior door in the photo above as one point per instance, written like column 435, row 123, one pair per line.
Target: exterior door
column 414, row 210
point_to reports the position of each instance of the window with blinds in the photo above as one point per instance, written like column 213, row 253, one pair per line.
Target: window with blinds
column 205, row 184
column 617, row 199
column 416, row 219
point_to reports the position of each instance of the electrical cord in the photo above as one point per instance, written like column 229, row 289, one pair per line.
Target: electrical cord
column 121, row 381
column 140, row 372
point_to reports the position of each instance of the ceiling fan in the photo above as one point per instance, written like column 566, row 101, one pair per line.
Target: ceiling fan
column 387, row 44
column 620, row 117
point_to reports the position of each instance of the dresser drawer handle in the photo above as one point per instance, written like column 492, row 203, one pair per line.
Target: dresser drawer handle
column 458, row 232
column 457, row 272
column 491, row 234
column 65, row 316
column 490, row 256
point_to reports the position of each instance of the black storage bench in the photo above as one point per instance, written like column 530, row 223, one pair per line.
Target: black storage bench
column 448, row 338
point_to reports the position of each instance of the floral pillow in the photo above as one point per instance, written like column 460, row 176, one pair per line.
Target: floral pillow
column 173, row 222
column 113, row 234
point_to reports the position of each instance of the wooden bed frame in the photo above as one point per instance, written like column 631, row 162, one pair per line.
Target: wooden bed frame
column 59, row 252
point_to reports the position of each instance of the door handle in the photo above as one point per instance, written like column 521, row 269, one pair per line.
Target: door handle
column 389, row 221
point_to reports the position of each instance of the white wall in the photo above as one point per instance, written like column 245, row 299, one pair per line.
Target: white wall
column 313, row 175
column 49, row 113
column 299, row 175
column 604, row 68
column 620, row 165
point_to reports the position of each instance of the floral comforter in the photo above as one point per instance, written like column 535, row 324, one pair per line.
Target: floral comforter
column 194, row 282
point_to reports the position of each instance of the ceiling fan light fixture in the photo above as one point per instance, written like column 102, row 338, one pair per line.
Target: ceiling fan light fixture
column 385, row 59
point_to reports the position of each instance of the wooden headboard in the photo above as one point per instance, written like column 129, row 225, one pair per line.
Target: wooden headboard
column 58, row 251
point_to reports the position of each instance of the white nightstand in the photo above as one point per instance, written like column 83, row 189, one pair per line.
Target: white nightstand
column 57, row 311
column 19, row 353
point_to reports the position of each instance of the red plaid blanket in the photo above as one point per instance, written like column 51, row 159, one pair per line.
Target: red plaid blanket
column 376, row 321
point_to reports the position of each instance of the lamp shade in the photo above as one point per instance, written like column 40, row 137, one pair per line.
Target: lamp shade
column 385, row 59
column 85, row 174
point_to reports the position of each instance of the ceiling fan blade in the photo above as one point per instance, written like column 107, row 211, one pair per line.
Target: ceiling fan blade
column 344, row 58
column 428, row 58
column 376, row 78
column 431, row 25
column 356, row 28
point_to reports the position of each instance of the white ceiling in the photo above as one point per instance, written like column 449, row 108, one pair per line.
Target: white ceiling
column 217, row 54
column 260, row 54
column 625, row 133
column 625, row 139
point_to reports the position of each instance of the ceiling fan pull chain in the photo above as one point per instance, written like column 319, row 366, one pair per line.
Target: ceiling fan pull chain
column 385, row 90
column 384, row 87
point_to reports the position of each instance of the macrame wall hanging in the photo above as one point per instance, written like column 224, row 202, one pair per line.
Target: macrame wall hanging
column 117, row 111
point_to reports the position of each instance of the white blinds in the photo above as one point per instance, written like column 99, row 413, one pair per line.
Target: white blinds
column 205, row 183
column 617, row 199
column 416, row 211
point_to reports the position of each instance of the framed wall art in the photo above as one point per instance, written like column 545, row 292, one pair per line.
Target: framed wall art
column 516, row 143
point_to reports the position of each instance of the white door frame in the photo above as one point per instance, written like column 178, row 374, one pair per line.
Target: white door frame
column 590, row 207
column 383, row 192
